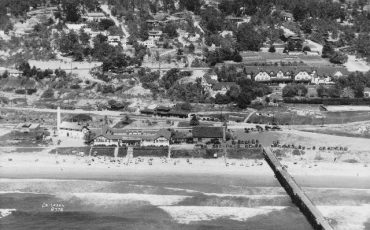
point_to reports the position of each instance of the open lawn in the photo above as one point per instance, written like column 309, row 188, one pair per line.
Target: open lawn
column 306, row 115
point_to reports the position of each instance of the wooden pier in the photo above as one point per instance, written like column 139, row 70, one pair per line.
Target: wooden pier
column 299, row 198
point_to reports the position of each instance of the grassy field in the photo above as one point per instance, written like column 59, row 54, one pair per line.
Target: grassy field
column 306, row 115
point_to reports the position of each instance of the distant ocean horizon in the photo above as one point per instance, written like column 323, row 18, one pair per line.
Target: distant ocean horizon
column 176, row 203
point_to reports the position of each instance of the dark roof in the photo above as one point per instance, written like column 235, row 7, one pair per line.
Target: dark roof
column 163, row 133
column 180, row 134
column 108, row 136
column 148, row 111
column 220, row 85
column 163, row 108
column 207, row 132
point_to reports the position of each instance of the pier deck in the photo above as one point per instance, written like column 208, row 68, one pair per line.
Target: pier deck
column 313, row 215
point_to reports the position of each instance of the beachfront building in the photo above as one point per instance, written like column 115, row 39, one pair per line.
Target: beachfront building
column 73, row 130
column 107, row 140
column 207, row 134
column 160, row 139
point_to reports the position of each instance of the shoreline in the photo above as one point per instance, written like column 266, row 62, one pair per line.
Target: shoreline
column 257, row 172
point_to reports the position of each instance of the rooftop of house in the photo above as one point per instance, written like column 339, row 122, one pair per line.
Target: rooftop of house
column 72, row 125
column 154, row 32
column 163, row 133
column 207, row 132
column 27, row 126
column 95, row 14
column 181, row 134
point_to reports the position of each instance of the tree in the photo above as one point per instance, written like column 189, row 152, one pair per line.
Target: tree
column 306, row 48
column 237, row 58
column 170, row 30
column 211, row 20
column 170, row 78
column 248, row 38
column 71, row 10
column 104, row 24
column 321, row 91
column 49, row 93
column 191, row 5
column 191, row 48
column 338, row 58
column 5, row 74
column 327, row 51
column 244, row 99
column 194, row 121
column 84, row 37
column 272, row 49
column 222, row 99
column 306, row 26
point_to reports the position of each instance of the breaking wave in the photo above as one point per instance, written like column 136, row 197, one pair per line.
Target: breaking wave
column 6, row 212
column 106, row 199
column 188, row 214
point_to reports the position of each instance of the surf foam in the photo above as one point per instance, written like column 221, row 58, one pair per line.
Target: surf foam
column 119, row 198
column 187, row 214
column 347, row 217
column 6, row 212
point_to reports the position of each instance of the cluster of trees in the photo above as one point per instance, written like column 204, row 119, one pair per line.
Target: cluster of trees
column 222, row 54
column 78, row 45
column 335, row 57
column 189, row 92
column 149, row 80
column 37, row 74
column 171, row 77
column 243, row 93
column 293, row 90
column 356, row 82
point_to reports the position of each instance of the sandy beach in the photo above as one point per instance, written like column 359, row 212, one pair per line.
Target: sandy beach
column 51, row 166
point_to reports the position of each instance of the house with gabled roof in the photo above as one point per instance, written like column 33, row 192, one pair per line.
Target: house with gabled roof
column 160, row 139
column 73, row 130
column 208, row 133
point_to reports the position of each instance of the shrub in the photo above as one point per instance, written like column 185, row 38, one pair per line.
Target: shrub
column 20, row 91
column 49, row 93
column 31, row 91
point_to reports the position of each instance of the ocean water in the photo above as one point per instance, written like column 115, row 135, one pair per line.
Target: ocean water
column 171, row 202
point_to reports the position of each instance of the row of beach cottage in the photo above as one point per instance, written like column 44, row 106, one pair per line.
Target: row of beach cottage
column 157, row 138
column 288, row 74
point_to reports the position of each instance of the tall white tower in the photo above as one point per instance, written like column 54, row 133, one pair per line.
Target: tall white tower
column 58, row 119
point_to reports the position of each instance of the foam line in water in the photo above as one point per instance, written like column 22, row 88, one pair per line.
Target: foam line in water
column 122, row 198
column 187, row 214
column 251, row 196
column 181, row 189
column 21, row 192
column 6, row 212
column 347, row 217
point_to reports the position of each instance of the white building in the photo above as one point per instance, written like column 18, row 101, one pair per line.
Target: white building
column 94, row 16
column 162, row 138
column 148, row 43
column 114, row 40
column 303, row 76
column 262, row 76
column 72, row 130
column 154, row 34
